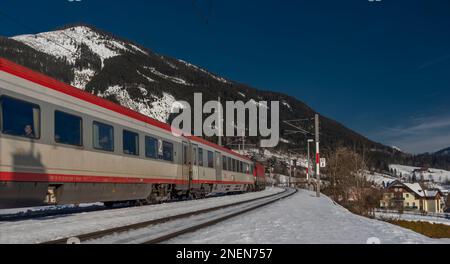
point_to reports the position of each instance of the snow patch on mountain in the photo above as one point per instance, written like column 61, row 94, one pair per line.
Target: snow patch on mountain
column 65, row 43
column 158, row 108
column 220, row 79
column 170, row 78
column 397, row 148
column 161, row 108
column 287, row 105
column 82, row 78
column 285, row 141
column 146, row 77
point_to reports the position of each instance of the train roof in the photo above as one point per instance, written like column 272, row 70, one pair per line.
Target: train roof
column 51, row 83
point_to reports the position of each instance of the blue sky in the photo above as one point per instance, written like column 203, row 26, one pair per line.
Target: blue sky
column 380, row 68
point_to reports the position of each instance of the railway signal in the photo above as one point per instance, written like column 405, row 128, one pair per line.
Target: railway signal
column 316, row 119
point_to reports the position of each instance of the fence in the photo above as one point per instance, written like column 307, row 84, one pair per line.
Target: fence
column 437, row 215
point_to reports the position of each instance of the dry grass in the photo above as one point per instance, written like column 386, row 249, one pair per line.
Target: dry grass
column 425, row 228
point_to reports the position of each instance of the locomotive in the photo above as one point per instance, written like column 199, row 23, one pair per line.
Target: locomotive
column 62, row 145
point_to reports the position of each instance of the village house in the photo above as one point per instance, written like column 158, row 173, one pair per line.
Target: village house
column 412, row 197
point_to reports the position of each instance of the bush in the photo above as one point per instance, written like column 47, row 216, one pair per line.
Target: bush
column 425, row 228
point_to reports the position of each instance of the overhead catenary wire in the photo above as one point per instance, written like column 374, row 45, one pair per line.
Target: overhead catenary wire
column 202, row 16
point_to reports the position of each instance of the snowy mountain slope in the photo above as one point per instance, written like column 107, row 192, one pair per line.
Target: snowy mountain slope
column 65, row 43
column 68, row 44
column 307, row 220
column 436, row 175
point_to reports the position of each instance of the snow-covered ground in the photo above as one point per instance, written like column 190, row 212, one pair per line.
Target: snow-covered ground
column 437, row 175
column 57, row 227
column 143, row 235
column 304, row 219
column 379, row 178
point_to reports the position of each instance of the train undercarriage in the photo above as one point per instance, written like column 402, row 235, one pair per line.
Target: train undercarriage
column 31, row 194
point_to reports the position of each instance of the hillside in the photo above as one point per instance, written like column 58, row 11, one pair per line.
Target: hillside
column 430, row 174
column 140, row 79
column 444, row 152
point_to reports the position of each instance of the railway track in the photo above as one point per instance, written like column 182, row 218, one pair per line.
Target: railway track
column 160, row 230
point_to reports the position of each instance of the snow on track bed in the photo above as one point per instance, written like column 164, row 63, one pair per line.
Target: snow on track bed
column 303, row 219
column 53, row 228
column 161, row 232
column 47, row 211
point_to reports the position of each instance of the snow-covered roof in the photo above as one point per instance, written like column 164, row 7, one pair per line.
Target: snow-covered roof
column 416, row 188
column 431, row 193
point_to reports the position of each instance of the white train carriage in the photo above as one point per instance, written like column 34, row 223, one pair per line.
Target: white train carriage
column 61, row 145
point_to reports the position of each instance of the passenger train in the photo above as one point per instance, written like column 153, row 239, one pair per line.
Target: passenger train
column 61, row 145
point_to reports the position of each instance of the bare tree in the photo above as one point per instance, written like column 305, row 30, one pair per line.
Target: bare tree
column 348, row 184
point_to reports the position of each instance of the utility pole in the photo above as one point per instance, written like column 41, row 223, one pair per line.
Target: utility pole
column 317, row 154
column 290, row 170
column 219, row 107
column 308, row 162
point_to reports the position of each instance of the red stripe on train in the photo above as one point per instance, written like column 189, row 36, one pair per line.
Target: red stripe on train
column 64, row 178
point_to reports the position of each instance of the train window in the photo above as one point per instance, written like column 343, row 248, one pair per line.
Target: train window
column 200, row 157
column 210, row 159
column 151, row 147
column 103, row 137
column 68, row 129
column 130, row 143
column 230, row 165
column 167, row 151
column 224, row 163
column 20, row 118
column 241, row 167
column 234, row 165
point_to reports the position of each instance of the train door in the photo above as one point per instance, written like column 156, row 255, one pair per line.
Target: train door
column 194, row 155
column 186, row 164
column 218, row 166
